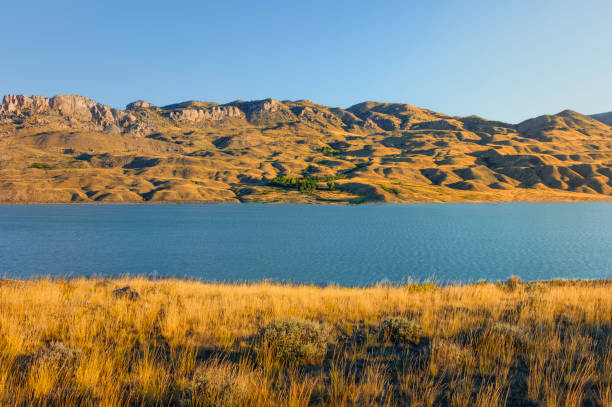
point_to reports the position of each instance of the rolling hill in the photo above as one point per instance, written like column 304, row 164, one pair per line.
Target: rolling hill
column 69, row 148
column 605, row 118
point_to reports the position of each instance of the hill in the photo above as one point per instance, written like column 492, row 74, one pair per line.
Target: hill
column 69, row 148
column 605, row 118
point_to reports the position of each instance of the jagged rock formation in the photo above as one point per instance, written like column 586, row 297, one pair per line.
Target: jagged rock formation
column 71, row 149
column 213, row 113
column 70, row 107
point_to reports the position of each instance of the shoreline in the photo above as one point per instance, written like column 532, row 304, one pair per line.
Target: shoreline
column 584, row 282
column 296, row 203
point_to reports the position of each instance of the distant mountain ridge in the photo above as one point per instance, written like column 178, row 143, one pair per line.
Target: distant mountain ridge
column 605, row 118
column 69, row 148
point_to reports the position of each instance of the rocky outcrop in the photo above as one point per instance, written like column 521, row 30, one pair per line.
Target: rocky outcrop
column 70, row 107
column 367, row 116
column 258, row 106
column 261, row 110
column 204, row 111
column 393, row 116
column 19, row 103
column 215, row 113
column 316, row 115
column 125, row 292
column 139, row 104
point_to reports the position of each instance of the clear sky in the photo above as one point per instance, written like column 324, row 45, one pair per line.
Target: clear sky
column 503, row 60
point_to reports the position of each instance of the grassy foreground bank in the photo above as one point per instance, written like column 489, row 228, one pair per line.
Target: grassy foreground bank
column 176, row 342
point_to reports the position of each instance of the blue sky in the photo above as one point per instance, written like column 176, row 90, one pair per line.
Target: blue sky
column 501, row 60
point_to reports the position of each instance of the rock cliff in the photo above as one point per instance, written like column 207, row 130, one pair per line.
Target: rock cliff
column 70, row 107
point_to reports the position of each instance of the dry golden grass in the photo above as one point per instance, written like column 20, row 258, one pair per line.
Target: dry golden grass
column 180, row 342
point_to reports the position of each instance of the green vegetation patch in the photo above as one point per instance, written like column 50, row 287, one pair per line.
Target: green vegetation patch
column 42, row 166
column 305, row 184
column 329, row 152
column 392, row 190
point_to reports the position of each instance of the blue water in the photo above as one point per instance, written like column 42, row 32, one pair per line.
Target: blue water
column 348, row 245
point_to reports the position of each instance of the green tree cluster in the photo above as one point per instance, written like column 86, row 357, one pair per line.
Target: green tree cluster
column 303, row 184
column 328, row 151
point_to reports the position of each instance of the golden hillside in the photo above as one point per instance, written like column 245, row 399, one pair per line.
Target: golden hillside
column 71, row 149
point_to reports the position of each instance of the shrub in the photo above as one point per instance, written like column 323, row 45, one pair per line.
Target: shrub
column 537, row 288
column 58, row 355
column 498, row 334
column 513, row 283
column 218, row 384
column 400, row 331
column 422, row 287
column 448, row 354
column 56, row 360
column 301, row 342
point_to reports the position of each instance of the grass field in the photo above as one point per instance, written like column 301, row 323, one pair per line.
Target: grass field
column 177, row 342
